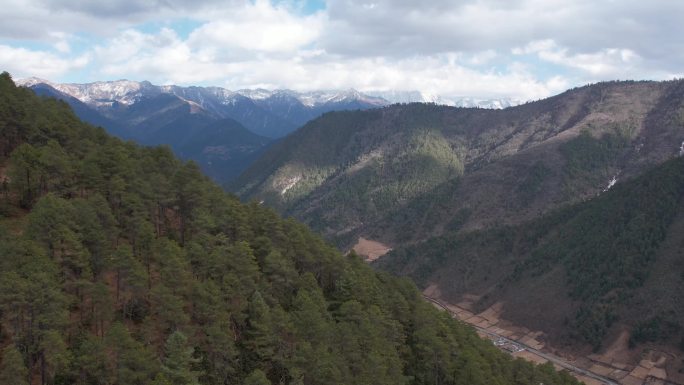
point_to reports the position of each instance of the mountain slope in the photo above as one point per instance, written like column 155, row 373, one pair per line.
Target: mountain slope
column 406, row 172
column 580, row 273
column 163, row 118
column 122, row 265
column 82, row 110
column 224, row 148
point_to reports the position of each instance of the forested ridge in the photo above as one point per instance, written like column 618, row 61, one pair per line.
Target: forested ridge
column 120, row 264
column 407, row 172
column 614, row 258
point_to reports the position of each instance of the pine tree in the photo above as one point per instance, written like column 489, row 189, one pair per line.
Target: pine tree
column 13, row 370
column 132, row 362
column 259, row 339
column 257, row 377
column 178, row 360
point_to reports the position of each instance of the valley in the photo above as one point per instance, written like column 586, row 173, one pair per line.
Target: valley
column 554, row 228
column 333, row 192
column 615, row 366
column 565, row 214
column 122, row 264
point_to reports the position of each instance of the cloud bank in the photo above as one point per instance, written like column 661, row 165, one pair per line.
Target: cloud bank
column 523, row 49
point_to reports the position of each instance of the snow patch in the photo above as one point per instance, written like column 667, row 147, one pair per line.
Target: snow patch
column 611, row 183
column 681, row 150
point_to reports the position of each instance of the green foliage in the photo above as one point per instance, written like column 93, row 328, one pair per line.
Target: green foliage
column 133, row 268
column 589, row 161
column 257, row 377
column 657, row 328
column 360, row 165
column 178, row 360
column 13, row 370
column 532, row 184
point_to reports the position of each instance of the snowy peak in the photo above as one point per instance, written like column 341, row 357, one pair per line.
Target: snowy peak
column 422, row 97
column 104, row 93
column 256, row 94
column 127, row 92
column 97, row 93
column 495, row 104
column 32, row 81
column 312, row 98
column 393, row 96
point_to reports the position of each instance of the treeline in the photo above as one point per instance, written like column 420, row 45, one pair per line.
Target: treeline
column 122, row 265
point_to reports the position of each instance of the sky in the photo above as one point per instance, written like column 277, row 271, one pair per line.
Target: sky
column 518, row 49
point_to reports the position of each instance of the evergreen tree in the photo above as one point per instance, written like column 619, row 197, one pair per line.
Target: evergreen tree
column 178, row 361
column 13, row 370
column 259, row 336
column 257, row 377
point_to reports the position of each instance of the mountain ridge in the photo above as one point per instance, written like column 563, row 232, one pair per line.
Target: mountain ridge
column 126, row 91
column 622, row 128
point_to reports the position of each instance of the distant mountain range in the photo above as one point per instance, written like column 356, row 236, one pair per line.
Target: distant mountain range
column 220, row 129
column 235, row 125
column 271, row 114
column 394, row 97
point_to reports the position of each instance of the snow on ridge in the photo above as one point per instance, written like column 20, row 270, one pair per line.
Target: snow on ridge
column 104, row 93
column 256, row 94
column 32, row 81
column 393, row 96
column 611, row 183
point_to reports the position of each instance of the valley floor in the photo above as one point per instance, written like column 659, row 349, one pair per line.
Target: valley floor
column 593, row 369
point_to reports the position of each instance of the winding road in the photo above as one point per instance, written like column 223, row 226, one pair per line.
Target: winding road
column 550, row 357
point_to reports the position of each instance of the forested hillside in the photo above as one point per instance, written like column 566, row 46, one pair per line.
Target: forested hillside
column 122, row 265
column 578, row 272
column 404, row 173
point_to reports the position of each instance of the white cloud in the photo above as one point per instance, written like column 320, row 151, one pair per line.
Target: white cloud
column 606, row 63
column 518, row 48
column 167, row 58
column 21, row 62
column 260, row 27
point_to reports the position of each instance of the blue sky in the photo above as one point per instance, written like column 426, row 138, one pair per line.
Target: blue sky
column 521, row 49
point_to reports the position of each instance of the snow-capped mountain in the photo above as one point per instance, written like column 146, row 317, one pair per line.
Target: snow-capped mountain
column 99, row 94
column 495, row 104
column 272, row 113
column 126, row 92
column 422, row 97
column 394, row 97
column 174, row 115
